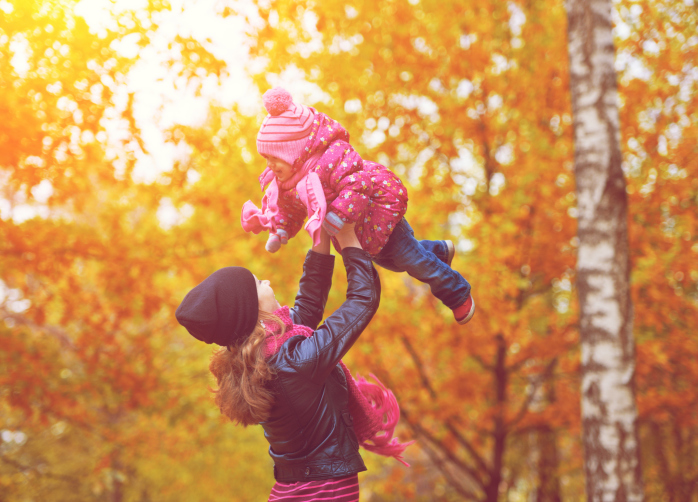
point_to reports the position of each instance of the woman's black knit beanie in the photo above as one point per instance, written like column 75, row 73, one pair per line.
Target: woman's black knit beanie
column 223, row 309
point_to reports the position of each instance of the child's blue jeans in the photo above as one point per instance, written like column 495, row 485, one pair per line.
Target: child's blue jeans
column 426, row 262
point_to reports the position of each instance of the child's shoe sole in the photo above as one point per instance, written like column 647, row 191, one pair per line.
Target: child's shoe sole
column 451, row 251
column 465, row 312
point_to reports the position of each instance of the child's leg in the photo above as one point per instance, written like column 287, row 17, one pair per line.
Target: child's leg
column 403, row 253
column 439, row 248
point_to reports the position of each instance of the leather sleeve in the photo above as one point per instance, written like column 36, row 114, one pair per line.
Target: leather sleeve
column 318, row 355
column 313, row 289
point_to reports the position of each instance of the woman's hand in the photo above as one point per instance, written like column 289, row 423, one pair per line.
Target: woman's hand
column 323, row 246
column 346, row 237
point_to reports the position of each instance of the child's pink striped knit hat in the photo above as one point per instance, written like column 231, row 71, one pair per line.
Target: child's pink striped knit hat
column 285, row 130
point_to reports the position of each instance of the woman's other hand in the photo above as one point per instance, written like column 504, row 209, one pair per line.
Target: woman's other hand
column 323, row 246
column 346, row 237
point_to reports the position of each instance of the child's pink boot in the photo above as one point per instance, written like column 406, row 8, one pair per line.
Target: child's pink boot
column 466, row 311
column 451, row 252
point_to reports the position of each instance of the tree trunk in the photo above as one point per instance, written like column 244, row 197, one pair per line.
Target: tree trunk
column 548, row 489
column 500, row 429
column 609, row 415
column 692, row 476
column 661, row 461
column 117, row 477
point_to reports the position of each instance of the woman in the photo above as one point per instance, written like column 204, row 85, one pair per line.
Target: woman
column 292, row 385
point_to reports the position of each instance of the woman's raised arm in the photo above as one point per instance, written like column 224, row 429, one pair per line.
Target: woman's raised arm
column 315, row 284
column 318, row 355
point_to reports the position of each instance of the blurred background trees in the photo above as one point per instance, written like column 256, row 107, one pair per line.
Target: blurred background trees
column 128, row 147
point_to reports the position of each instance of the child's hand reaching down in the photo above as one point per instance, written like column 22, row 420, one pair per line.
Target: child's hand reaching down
column 276, row 240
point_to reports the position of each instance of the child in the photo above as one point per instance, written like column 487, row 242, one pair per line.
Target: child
column 312, row 171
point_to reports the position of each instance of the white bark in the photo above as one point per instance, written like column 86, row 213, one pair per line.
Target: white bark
column 609, row 415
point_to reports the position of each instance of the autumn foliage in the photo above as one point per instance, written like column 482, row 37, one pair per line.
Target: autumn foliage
column 114, row 201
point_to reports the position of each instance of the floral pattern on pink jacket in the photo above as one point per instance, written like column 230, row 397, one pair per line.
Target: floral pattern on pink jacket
column 358, row 191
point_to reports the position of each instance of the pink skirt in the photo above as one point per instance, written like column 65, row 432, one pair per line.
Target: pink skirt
column 326, row 490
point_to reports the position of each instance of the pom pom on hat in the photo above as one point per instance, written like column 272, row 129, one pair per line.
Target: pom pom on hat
column 277, row 101
column 285, row 130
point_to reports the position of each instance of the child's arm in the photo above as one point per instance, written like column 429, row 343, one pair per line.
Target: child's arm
column 289, row 221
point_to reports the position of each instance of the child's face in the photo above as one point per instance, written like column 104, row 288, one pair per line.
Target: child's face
column 282, row 169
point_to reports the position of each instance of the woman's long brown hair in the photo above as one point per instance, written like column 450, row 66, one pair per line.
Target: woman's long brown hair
column 242, row 373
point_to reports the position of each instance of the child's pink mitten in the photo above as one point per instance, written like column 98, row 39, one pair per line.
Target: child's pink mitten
column 332, row 224
column 275, row 241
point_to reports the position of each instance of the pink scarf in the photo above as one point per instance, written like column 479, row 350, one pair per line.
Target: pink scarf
column 372, row 406
column 309, row 190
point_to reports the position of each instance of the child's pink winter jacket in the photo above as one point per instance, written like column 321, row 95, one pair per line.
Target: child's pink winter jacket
column 357, row 190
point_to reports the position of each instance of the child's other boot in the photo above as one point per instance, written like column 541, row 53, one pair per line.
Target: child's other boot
column 464, row 312
column 451, row 252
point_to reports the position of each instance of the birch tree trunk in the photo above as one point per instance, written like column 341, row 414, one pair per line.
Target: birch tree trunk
column 609, row 415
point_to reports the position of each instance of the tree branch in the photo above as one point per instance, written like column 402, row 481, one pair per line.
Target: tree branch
column 420, row 367
column 536, row 385
column 53, row 331
column 472, row 472
column 482, row 469
column 482, row 363
column 482, row 465
column 441, row 465
column 22, row 467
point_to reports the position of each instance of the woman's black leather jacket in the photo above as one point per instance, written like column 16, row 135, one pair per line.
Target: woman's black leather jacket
column 310, row 430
